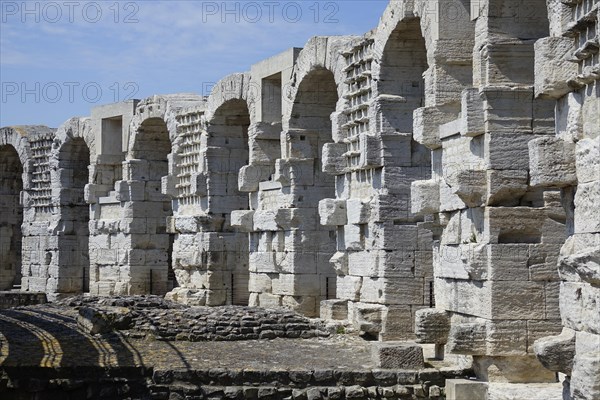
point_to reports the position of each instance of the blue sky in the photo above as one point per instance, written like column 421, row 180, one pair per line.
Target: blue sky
column 59, row 59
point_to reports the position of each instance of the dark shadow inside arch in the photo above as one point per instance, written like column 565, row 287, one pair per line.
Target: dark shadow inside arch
column 310, row 128
column 227, row 153
column 11, row 217
column 152, row 271
column 73, row 163
column 403, row 64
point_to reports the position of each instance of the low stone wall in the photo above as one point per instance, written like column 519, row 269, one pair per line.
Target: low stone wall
column 218, row 383
column 9, row 299
column 151, row 316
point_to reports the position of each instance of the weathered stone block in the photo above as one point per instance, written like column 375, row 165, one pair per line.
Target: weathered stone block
column 334, row 309
column 432, row 326
column 333, row 212
column 396, row 355
column 552, row 162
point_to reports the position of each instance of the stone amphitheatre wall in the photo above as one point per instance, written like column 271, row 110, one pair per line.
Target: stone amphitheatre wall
column 437, row 178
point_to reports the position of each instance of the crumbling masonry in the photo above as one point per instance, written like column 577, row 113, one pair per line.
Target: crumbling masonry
column 437, row 179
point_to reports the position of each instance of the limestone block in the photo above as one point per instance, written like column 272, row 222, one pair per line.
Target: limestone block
column 199, row 184
column 130, row 190
column 297, row 285
column 584, row 265
column 339, row 262
column 294, row 172
column 367, row 318
column 392, row 291
column 587, row 153
column 553, row 66
column 464, row 389
column 469, row 185
column 398, row 355
column 569, row 117
column 586, row 367
column 579, row 307
column 251, row 175
column 243, row 220
column 168, row 185
column 358, row 211
column 587, row 207
column 363, row 263
column 552, row 162
column 507, row 150
column 296, row 218
column 397, row 149
column 512, row 225
column 370, row 151
column 386, row 207
column 348, row 287
column 98, row 321
column 135, row 170
column 425, row 197
column 510, row 300
column 557, row 352
column 265, row 220
column 397, row 180
column 467, row 338
column 305, row 305
column 188, row 224
column 425, row 125
column 333, row 212
column 395, row 264
column 190, row 297
column 516, row 369
column 398, row 323
column 529, row 391
column 505, row 187
column 334, row 309
column 353, row 237
column 432, row 326
column 297, row 262
column 590, row 112
column 471, row 113
column 333, row 159
column 392, row 237
column 338, row 119
column 268, row 300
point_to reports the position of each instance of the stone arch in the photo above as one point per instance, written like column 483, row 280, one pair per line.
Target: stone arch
column 236, row 86
column 401, row 61
column 149, row 112
column 16, row 136
column 318, row 54
column 11, row 217
column 150, row 265
column 310, row 120
column 69, row 163
column 225, row 154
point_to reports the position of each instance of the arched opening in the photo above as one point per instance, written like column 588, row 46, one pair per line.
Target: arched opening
column 403, row 64
column 314, row 103
column 73, row 163
column 150, row 261
column 226, row 153
column 310, row 127
column 11, row 217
